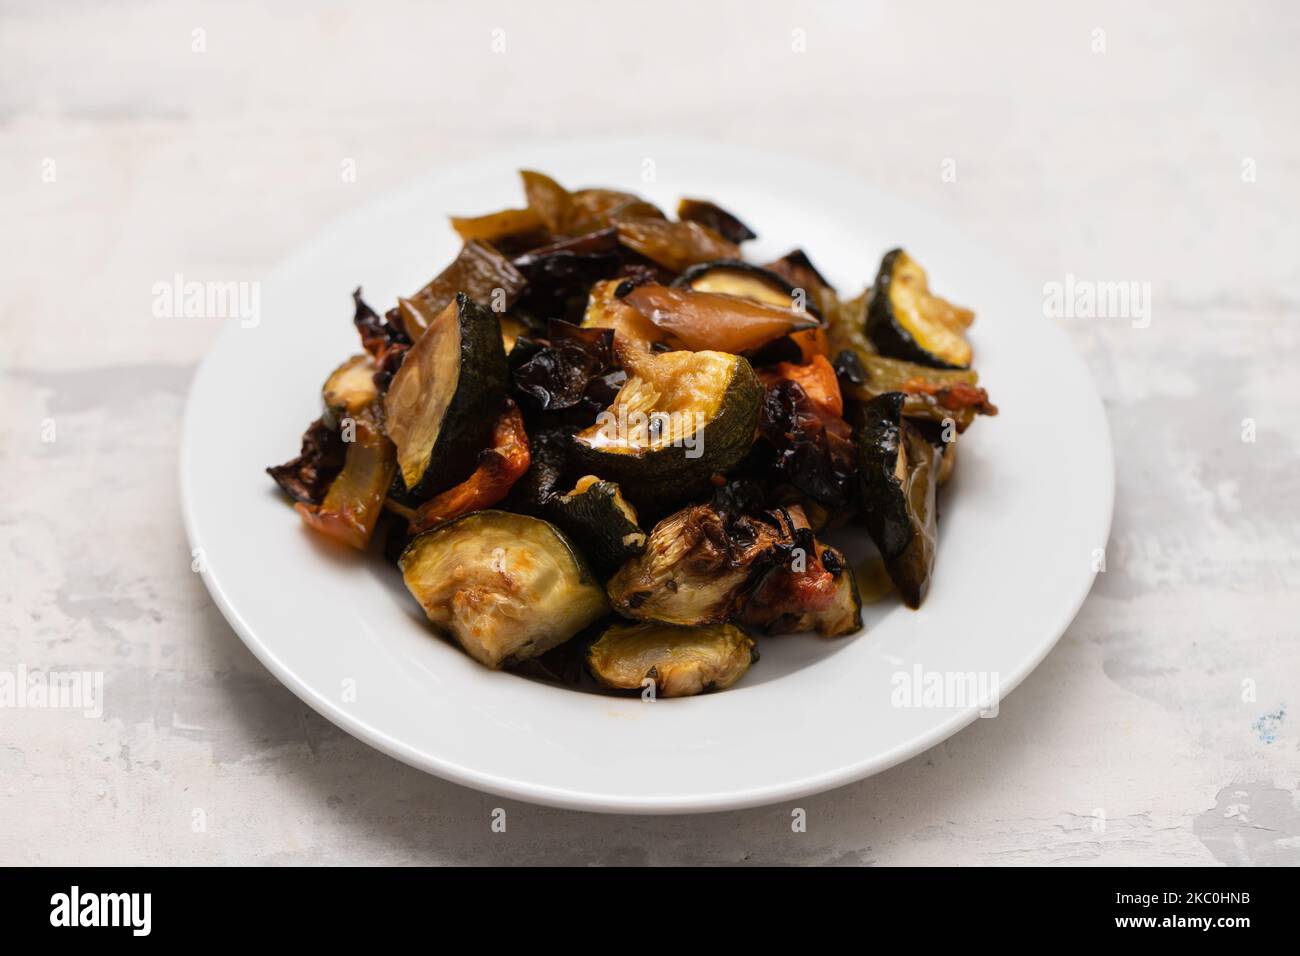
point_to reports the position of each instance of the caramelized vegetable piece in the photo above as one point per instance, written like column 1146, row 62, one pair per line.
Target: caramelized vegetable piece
column 478, row 271
column 699, row 561
column 508, row 587
column 307, row 478
column 349, row 389
column 508, row 224
column 355, row 499
column 896, row 494
column 816, row 378
column 906, row 320
column 931, row 394
column 633, row 333
column 674, row 245
column 548, row 199
column 560, row 275
column 681, row 661
column 747, row 281
column 442, row 403
column 706, row 320
column 810, row 592
column 716, row 218
column 498, row 469
column 595, row 208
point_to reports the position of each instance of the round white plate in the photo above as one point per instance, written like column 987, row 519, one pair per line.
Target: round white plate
column 1029, row 504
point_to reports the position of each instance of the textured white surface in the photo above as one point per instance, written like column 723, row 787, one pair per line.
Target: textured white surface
column 1131, row 743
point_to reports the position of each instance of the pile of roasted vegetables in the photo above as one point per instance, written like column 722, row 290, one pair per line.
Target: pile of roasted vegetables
column 602, row 442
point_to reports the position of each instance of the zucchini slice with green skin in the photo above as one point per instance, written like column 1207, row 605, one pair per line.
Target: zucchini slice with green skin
column 443, row 402
column 897, row 479
column 508, row 587
column 679, row 419
column 349, row 389
column 600, row 520
column 905, row 320
column 682, row 661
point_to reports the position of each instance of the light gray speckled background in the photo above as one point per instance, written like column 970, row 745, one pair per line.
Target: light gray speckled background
column 1122, row 164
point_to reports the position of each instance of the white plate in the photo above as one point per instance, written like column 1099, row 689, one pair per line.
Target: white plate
column 1030, row 501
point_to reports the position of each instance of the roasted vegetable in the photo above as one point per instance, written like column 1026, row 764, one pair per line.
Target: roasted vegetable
column 633, row 332
column 681, row 661
column 498, row 469
column 600, row 521
column 699, row 562
column 482, row 273
column 558, row 374
column 707, row 320
column 811, row 446
column 809, row 592
column 747, row 281
column 443, row 402
column 355, row 499
column 508, row 587
column 680, row 418
column 384, row 339
column 932, row 394
column 897, row 478
column 506, row 229
column 905, row 320
column 716, row 218
column 673, row 245
column 349, row 389
column 560, row 275
column 307, row 478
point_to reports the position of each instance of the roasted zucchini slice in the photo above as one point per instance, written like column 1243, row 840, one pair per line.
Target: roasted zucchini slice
column 681, row 661
column 349, row 389
column 602, row 523
column 897, row 477
column 442, row 404
column 905, row 320
column 508, row 587
column 680, row 418
column 745, row 280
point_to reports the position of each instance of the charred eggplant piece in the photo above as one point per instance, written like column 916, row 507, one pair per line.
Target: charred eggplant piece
column 680, row 418
column 560, row 276
column 897, row 480
column 681, row 661
column 507, row 587
column 600, row 520
column 905, row 320
column 558, row 374
column 308, row 477
column 443, row 403
column 716, row 218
